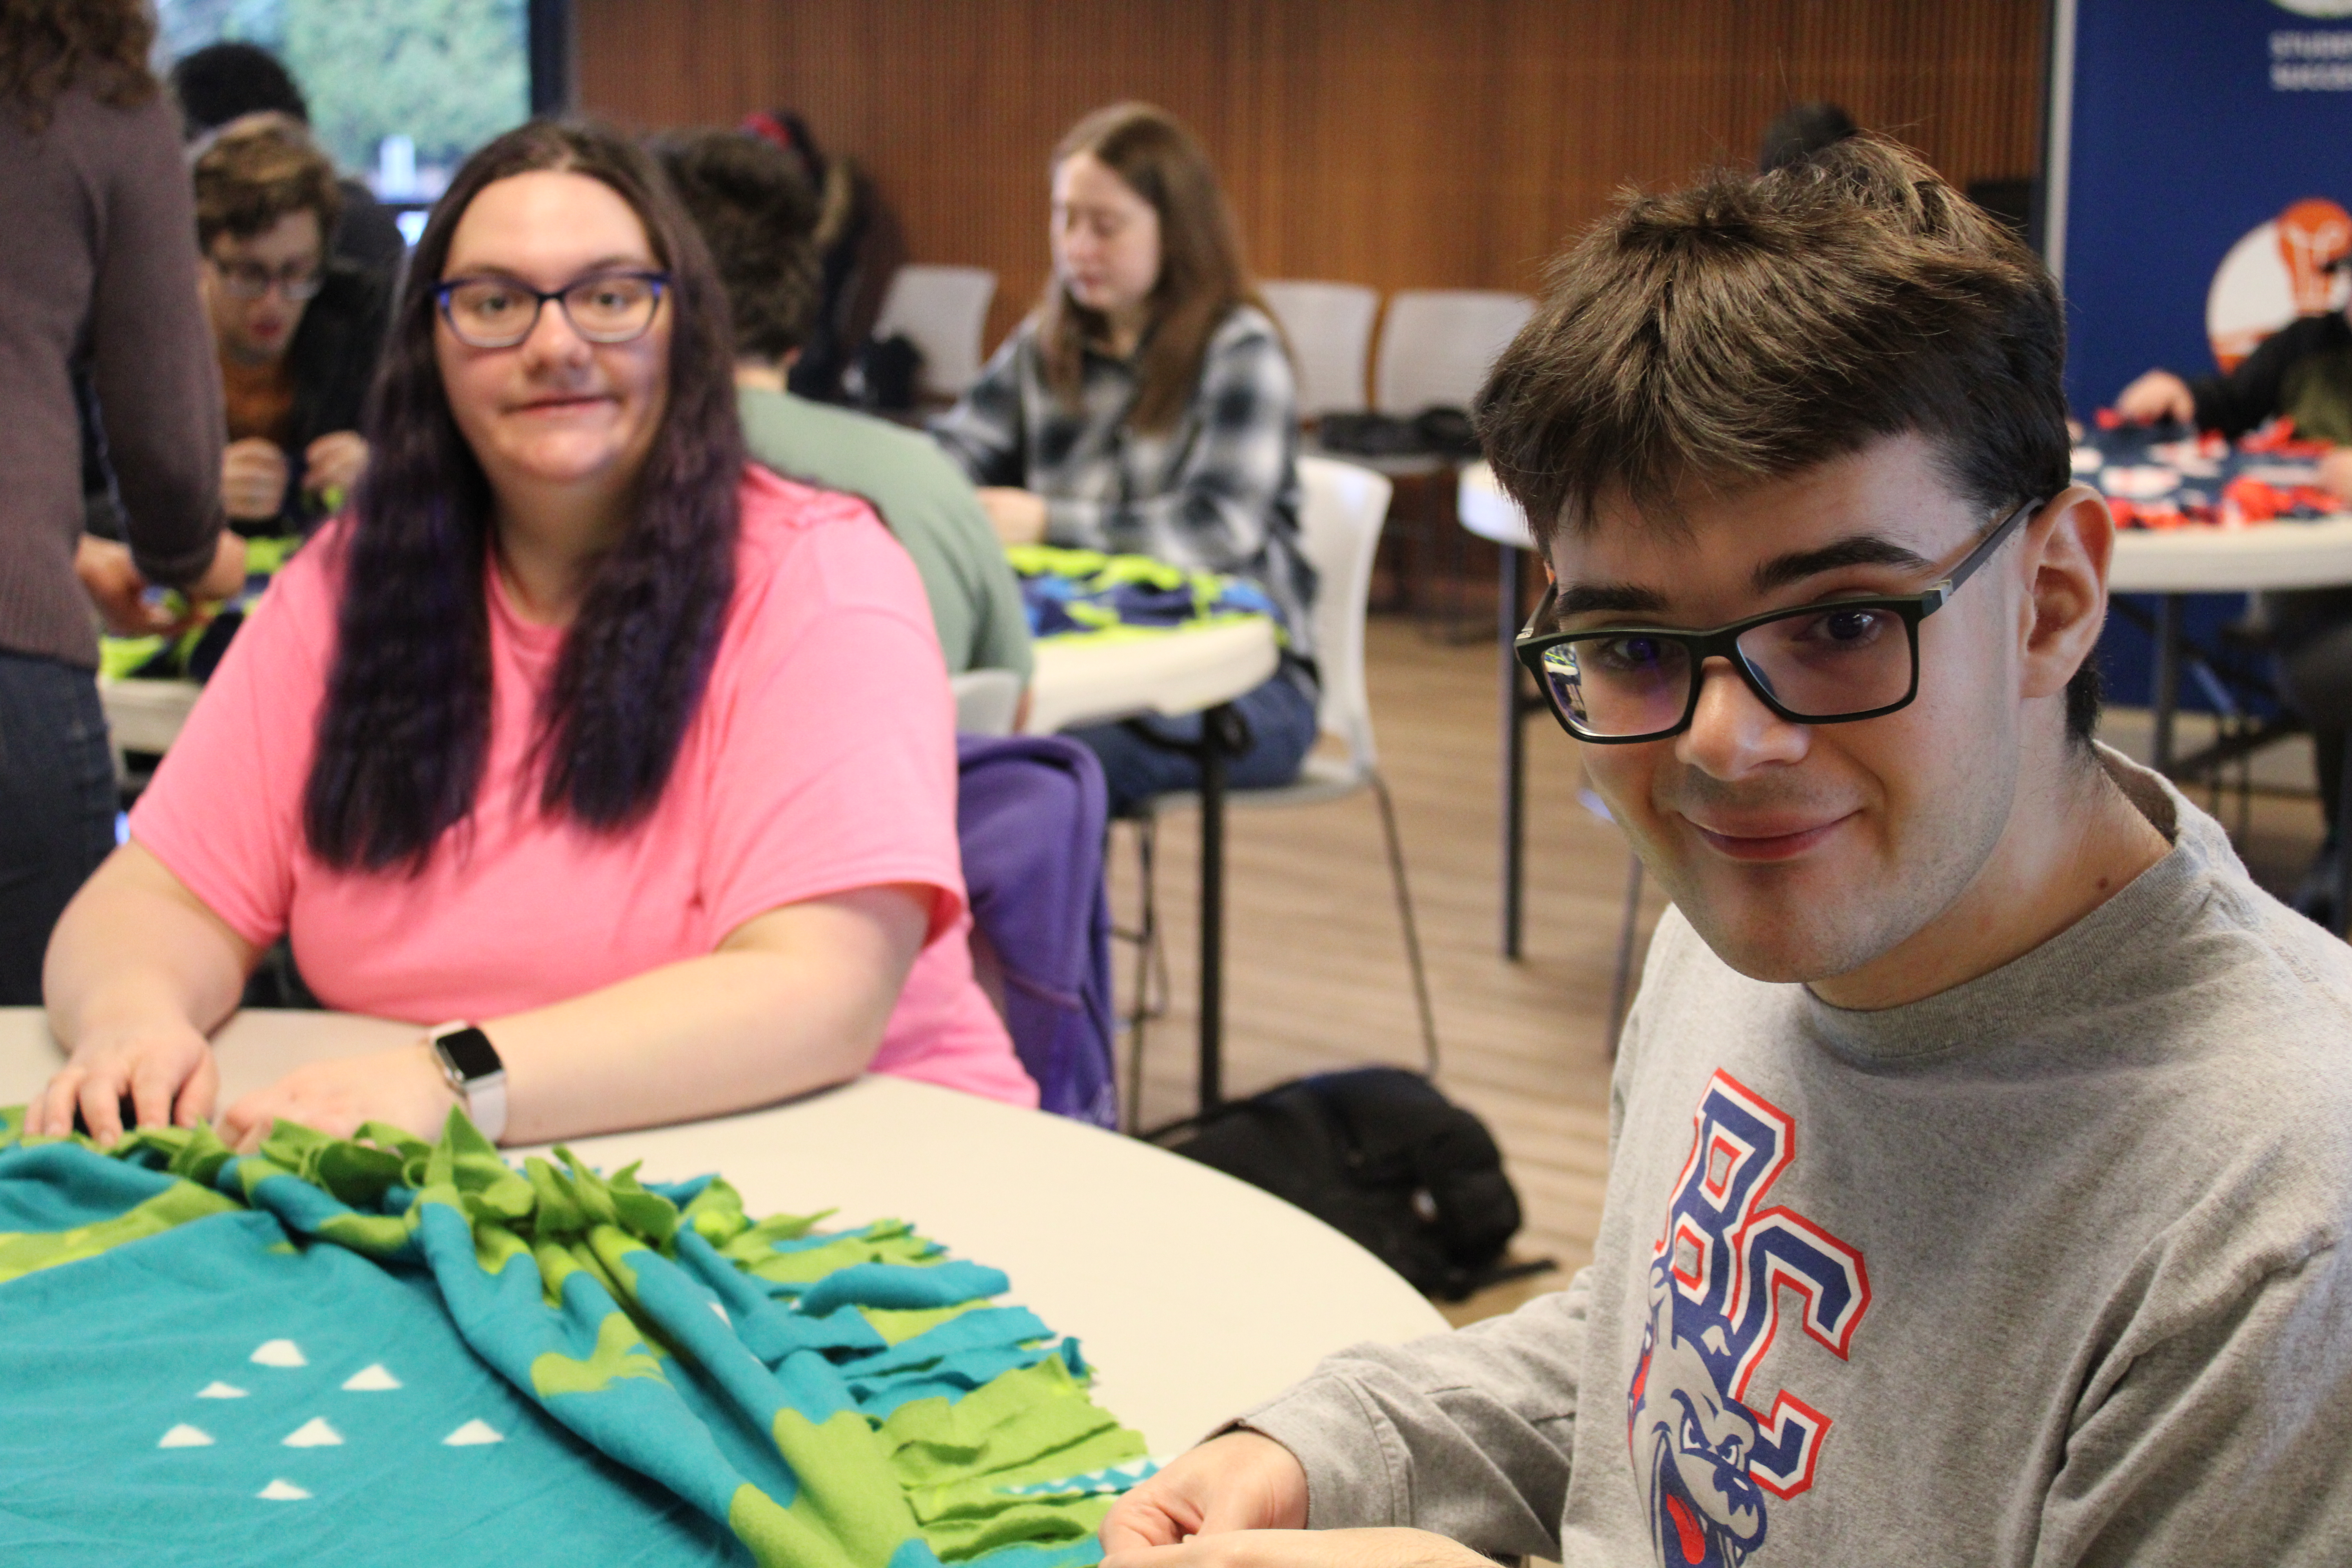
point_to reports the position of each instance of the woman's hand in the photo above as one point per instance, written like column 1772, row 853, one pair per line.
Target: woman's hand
column 1242, row 1481
column 1306, row 1549
column 404, row 1087
column 2156, row 398
column 163, row 1065
column 115, row 586
column 1018, row 516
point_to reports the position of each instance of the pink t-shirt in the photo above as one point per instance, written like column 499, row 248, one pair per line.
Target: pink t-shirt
column 822, row 759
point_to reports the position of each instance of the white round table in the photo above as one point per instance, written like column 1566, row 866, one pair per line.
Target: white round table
column 1194, row 1295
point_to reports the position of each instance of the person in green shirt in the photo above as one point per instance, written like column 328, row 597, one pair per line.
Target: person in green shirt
column 758, row 216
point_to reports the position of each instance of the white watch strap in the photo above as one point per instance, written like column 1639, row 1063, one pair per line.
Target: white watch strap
column 486, row 1105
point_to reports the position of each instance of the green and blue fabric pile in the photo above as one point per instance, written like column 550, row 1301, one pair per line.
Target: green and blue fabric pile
column 383, row 1351
column 1120, row 598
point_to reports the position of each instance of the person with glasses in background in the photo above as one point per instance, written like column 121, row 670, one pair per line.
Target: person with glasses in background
column 100, row 285
column 297, row 332
column 622, row 768
column 1981, row 1168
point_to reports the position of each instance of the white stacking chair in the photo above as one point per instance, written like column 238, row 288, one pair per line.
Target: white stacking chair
column 943, row 310
column 986, row 701
column 1339, row 530
column 1437, row 346
column 1330, row 326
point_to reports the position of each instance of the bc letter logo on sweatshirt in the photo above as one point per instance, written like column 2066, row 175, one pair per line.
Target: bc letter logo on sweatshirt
column 1704, row 1453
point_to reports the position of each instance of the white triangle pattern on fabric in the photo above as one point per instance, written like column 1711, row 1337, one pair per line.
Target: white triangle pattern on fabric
column 281, row 1491
column 722, row 1314
column 280, row 1352
column 371, row 1380
column 314, row 1434
column 220, row 1391
column 471, row 1434
column 186, row 1436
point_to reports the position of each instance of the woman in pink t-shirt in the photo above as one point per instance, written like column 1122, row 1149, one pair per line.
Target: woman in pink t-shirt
column 578, row 731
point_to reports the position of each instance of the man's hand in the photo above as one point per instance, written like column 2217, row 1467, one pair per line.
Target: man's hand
column 332, row 465
column 1306, row 1549
column 116, row 587
column 253, row 479
column 1018, row 516
column 2335, row 472
column 404, row 1087
column 164, row 1067
column 2156, row 398
column 1243, row 1480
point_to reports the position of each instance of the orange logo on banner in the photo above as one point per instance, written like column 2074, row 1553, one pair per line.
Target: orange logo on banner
column 2276, row 271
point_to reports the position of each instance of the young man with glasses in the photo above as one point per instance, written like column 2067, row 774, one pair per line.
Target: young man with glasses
column 298, row 332
column 1981, row 1152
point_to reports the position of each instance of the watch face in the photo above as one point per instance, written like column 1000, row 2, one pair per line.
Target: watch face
column 470, row 1052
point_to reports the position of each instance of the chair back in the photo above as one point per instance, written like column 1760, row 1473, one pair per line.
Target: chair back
column 1340, row 524
column 1437, row 346
column 1030, row 812
column 943, row 310
column 986, row 701
column 1330, row 326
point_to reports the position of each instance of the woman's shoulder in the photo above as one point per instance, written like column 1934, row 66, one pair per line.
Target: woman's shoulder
column 1244, row 325
column 804, row 547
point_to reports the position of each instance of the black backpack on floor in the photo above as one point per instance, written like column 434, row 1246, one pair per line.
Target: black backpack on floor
column 1379, row 1154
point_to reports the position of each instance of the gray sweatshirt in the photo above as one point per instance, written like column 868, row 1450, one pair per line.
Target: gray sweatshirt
column 2047, row 1268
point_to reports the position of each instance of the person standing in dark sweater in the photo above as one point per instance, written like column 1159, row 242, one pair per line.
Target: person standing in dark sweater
column 96, row 265
column 2304, row 370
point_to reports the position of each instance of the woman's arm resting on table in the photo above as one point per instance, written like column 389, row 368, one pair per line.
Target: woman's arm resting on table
column 139, row 971
column 1306, row 1549
column 792, row 1000
column 1239, row 1501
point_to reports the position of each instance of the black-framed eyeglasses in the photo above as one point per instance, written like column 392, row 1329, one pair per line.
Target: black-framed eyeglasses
column 1827, row 663
column 298, row 281
column 495, row 312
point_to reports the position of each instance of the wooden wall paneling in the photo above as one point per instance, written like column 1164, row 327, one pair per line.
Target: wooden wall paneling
column 1401, row 144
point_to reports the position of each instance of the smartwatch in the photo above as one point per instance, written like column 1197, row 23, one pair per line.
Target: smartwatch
column 471, row 1064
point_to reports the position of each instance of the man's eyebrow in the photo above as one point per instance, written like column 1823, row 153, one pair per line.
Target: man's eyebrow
column 1618, row 598
column 1860, row 550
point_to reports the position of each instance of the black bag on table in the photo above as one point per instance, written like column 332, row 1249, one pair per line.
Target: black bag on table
column 1380, row 1156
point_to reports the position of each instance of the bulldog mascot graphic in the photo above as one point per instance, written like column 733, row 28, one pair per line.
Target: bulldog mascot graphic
column 1704, row 1456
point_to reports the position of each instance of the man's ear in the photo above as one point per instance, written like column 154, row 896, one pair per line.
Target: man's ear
column 2067, row 549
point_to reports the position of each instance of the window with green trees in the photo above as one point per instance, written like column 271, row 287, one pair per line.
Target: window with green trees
column 400, row 90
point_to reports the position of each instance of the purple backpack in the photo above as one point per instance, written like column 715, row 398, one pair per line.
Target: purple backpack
column 1030, row 812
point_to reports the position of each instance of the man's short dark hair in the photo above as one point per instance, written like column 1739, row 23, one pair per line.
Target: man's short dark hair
column 255, row 171
column 222, row 82
column 758, row 216
column 1749, row 328
column 1798, row 132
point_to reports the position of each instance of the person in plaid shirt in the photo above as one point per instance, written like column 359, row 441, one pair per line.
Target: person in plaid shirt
column 1149, row 408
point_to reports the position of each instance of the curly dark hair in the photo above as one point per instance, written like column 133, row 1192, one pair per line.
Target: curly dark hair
column 405, row 727
column 758, row 214
column 49, row 46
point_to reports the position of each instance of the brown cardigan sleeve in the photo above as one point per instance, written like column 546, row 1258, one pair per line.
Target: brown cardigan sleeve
column 152, row 354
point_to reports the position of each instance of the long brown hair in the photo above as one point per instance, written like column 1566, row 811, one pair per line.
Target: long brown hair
column 1201, row 275
column 406, row 728
column 48, row 46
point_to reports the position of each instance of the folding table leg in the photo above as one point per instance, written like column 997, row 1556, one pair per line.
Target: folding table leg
column 2167, row 681
column 1515, row 782
column 1216, row 740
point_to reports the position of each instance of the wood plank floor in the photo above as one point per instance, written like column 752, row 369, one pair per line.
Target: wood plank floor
column 1315, row 976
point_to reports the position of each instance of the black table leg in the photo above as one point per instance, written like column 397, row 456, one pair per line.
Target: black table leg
column 2167, row 681
column 1215, row 742
column 1514, row 784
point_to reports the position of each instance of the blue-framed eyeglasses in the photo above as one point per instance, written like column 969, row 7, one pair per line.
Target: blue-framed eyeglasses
column 493, row 312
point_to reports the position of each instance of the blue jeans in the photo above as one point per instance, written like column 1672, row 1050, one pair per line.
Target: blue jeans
column 1280, row 717
column 56, row 808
